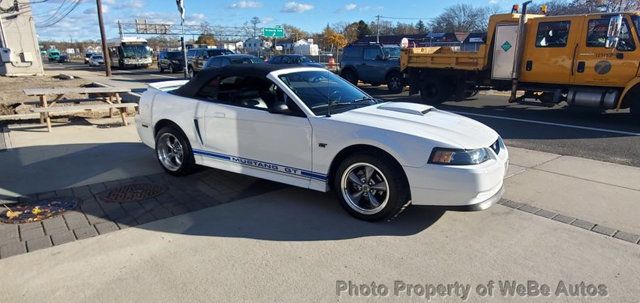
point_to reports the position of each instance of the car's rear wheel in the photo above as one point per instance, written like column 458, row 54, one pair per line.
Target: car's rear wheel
column 174, row 152
column 161, row 69
column 191, row 72
column 171, row 71
column 371, row 188
column 395, row 83
column 434, row 91
column 350, row 76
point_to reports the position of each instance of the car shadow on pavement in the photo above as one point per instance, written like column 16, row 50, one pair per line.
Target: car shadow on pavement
column 293, row 214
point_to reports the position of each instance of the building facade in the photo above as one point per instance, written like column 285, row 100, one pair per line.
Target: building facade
column 19, row 50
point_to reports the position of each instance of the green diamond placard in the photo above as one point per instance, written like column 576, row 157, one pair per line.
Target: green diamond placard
column 506, row 46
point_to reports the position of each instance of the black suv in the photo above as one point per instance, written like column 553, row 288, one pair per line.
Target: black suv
column 374, row 64
column 172, row 61
column 197, row 57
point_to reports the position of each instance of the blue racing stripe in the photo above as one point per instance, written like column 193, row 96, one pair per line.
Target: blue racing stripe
column 263, row 165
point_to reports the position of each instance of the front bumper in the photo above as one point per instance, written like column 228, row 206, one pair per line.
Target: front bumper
column 473, row 187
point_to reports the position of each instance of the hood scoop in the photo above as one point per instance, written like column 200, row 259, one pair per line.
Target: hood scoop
column 407, row 108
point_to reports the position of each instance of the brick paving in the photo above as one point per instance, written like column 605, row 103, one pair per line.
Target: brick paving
column 596, row 228
column 94, row 217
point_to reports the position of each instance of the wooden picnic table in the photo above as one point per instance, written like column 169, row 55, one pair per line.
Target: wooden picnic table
column 110, row 95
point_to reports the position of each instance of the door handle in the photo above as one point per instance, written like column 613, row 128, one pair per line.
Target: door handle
column 580, row 68
column 218, row 115
column 529, row 65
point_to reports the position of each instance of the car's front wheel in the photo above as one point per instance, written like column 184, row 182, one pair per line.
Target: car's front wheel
column 174, row 152
column 371, row 187
column 395, row 83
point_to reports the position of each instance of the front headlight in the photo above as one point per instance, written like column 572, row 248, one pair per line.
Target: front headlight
column 448, row 156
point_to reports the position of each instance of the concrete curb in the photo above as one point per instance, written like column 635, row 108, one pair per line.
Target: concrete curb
column 593, row 227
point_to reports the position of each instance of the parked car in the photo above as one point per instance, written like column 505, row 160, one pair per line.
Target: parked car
column 63, row 58
column 375, row 64
column 197, row 57
column 294, row 60
column 53, row 55
column 172, row 61
column 87, row 57
column 308, row 127
column 96, row 60
column 224, row 60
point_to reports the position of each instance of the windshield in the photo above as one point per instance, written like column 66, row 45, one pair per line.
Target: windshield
column 636, row 24
column 319, row 88
column 174, row 55
column 301, row 59
column 245, row 60
column 391, row 52
column 135, row 51
column 97, row 57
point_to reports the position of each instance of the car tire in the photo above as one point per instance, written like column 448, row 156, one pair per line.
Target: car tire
column 350, row 76
column 174, row 152
column 191, row 72
column 171, row 71
column 395, row 83
column 365, row 198
column 161, row 69
column 434, row 91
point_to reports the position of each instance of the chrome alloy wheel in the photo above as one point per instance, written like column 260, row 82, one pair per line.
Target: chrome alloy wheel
column 364, row 188
column 170, row 152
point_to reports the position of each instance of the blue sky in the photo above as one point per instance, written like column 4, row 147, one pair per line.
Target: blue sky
column 310, row 15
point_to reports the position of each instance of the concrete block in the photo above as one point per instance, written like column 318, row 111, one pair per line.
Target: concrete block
column 85, row 232
column 40, row 243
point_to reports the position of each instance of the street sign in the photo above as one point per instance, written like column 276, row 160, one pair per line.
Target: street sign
column 273, row 32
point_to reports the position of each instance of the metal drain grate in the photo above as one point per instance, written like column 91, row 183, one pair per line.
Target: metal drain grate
column 132, row 193
column 36, row 211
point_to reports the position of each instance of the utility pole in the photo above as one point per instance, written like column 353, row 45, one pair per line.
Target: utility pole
column 103, row 36
column 378, row 29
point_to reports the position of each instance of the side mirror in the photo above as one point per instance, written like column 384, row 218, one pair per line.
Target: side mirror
column 613, row 33
column 279, row 109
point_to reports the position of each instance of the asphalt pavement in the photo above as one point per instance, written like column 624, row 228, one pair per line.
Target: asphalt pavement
column 610, row 137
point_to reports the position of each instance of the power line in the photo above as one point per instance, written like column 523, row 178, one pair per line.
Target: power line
column 71, row 8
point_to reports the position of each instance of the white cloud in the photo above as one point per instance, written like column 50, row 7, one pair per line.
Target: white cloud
column 350, row 7
column 266, row 21
column 295, row 7
column 245, row 4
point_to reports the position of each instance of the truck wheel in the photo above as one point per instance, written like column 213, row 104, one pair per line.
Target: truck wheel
column 395, row 83
column 635, row 110
column 371, row 188
column 174, row 152
column 434, row 91
column 350, row 76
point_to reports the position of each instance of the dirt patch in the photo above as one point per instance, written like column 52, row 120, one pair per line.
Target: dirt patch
column 11, row 88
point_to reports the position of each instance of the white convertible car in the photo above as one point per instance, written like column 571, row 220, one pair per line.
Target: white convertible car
column 307, row 127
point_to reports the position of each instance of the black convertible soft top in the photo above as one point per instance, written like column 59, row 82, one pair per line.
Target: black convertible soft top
column 190, row 89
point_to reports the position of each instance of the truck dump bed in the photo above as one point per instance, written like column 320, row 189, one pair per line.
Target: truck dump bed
column 443, row 57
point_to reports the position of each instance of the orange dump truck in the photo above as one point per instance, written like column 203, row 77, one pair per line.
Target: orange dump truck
column 587, row 60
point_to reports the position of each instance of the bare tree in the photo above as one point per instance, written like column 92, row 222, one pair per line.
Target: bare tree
column 461, row 17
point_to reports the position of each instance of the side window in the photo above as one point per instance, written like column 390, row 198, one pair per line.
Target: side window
column 597, row 34
column 286, row 60
column 213, row 63
column 250, row 92
column 224, row 61
column 210, row 90
column 372, row 53
column 276, row 60
column 553, row 34
column 353, row 53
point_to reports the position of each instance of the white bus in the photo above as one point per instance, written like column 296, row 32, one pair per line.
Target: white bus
column 129, row 53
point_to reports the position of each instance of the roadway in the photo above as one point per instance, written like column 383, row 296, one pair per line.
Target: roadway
column 610, row 137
